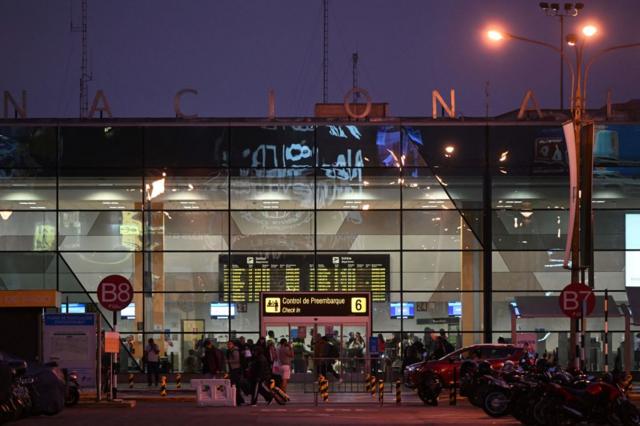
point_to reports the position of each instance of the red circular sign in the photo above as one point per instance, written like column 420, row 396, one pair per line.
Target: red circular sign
column 572, row 298
column 115, row 292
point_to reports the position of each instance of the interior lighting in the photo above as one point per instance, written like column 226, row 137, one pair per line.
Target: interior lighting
column 5, row 214
column 365, row 207
column 504, row 156
column 526, row 214
column 156, row 188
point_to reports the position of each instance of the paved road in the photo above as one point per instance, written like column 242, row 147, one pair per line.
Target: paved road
column 183, row 413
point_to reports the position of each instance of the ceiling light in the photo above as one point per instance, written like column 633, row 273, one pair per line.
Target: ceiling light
column 526, row 214
column 365, row 207
column 157, row 188
column 5, row 214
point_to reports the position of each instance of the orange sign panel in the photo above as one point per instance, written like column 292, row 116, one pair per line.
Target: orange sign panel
column 29, row 299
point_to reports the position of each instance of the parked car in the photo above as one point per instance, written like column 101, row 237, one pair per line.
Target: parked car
column 428, row 377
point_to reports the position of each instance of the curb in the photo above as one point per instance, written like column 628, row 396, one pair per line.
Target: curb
column 107, row 404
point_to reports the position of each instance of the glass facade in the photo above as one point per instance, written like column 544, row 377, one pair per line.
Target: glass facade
column 188, row 212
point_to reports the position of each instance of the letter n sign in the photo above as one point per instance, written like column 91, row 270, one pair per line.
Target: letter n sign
column 576, row 297
column 115, row 292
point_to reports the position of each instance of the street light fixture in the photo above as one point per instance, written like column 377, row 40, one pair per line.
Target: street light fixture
column 581, row 227
column 569, row 10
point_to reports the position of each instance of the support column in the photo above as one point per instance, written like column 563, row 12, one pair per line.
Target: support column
column 470, row 280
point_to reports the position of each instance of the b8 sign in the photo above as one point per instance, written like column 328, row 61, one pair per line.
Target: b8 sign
column 115, row 292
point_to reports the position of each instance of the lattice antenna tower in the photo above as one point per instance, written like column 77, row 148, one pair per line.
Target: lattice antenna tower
column 85, row 75
column 325, row 51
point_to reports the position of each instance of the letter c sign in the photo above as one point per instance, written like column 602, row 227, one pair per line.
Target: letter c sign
column 115, row 292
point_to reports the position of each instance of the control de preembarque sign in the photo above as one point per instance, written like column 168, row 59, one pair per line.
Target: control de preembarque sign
column 314, row 304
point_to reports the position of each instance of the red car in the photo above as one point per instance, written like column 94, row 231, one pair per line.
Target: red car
column 427, row 377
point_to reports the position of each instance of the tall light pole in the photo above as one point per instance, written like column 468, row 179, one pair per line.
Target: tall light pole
column 567, row 10
column 581, row 216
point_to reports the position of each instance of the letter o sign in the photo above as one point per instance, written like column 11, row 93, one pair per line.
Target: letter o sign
column 115, row 292
column 574, row 298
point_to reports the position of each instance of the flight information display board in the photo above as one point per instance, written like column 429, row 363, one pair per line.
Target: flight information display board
column 251, row 274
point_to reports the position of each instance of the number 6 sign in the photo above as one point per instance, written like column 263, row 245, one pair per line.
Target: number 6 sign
column 115, row 292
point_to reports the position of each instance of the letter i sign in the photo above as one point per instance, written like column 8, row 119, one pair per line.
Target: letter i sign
column 574, row 297
column 115, row 292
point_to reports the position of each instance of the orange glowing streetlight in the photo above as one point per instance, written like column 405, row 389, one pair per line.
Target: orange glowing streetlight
column 495, row 35
column 589, row 30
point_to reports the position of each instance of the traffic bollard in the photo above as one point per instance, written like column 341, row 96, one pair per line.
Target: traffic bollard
column 453, row 393
column 381, row 391
column 372, row 389
column 367, row 383
column 163, row 386
column 398, row 392
column 178, row 381
column 130, row 380
column 324, row 388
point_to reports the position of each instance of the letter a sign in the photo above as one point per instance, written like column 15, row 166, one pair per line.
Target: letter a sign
column 115, row 292
column 573, row 297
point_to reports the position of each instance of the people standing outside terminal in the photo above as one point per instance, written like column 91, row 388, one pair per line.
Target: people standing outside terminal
column 152, row 361
column 213, row 358
column 442, row 345
column 285, row 355
column 235, row 369
column 319, row 353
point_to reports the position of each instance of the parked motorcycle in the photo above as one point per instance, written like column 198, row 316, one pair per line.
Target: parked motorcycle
column 72, row 394
column 15, row 399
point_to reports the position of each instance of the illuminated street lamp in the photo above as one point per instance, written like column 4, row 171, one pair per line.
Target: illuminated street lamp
column 580, row 233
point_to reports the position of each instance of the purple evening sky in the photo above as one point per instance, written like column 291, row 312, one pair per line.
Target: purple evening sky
column 233, row 51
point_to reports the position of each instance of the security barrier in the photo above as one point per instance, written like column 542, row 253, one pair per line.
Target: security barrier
column 214, row 392
column 367, row 383
column 163, row 386
column 178, row 381
column 398, row 392
column 381, row 391
column 130, row 380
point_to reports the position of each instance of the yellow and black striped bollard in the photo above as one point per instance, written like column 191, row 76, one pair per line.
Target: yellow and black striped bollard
column 372, row 386
column 398, row 392
column 163, row 386
column 130, row 380
column 178, row 381
column 324, row 388
column 367, row 383
column 381, row 391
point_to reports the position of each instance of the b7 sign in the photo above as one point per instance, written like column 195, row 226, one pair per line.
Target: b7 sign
column 576, row 297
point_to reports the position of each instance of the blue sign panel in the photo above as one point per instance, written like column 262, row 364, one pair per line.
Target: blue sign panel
column 69, row 319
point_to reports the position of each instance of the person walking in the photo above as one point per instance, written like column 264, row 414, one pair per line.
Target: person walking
column 260, row 373
column 152, row 361
column 285, row 355
column 235, row 369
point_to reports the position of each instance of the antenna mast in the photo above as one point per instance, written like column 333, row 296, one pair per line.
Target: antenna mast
column 85, row 76
column 354, row 72
column 325, row 51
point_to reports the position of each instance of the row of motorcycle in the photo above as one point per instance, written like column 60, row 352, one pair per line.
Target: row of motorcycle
column 34, row 389
column 546, row 395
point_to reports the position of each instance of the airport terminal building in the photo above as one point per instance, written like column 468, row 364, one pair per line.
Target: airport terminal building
column 454, row 225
